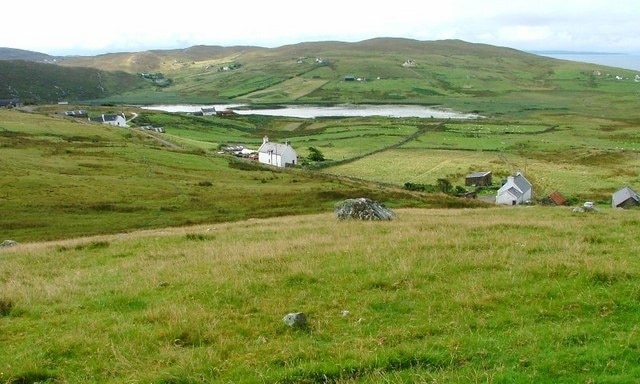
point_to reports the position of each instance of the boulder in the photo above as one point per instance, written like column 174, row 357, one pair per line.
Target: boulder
column 8, row 243
column 295, row 319
column 364, row 209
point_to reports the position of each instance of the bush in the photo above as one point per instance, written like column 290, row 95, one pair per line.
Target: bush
column 6, row 305
column 315, row 155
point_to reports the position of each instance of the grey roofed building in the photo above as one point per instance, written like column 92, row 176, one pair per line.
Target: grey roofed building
column 9, row 102
column 111, row 119
column 479, row 179
column 625, row 198
column 522, row 183
column 516, row 190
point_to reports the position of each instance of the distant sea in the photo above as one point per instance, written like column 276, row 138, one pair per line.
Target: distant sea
column 618, row 60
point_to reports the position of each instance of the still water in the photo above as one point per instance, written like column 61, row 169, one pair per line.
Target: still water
column 312, row 111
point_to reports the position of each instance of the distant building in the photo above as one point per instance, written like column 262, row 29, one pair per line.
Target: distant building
column 349, row 78
column 517, row 190
column 152, row 128
column 409, row 64
column 77, row 113
column 478, row 179
column 554, row 198
column 119, row 120
column 9, row 103
column 208, row 111
column 279, row 155
column 625, row 198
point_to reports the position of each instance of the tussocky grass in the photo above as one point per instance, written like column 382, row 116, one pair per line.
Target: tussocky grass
column 502, row 294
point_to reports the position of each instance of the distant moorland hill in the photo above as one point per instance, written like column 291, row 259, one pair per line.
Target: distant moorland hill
column 21, row 54
column 35, row 82
column 489, row 80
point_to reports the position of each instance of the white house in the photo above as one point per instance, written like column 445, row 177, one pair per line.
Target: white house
column 279, row 155
column 118, row 120
column 516, row 190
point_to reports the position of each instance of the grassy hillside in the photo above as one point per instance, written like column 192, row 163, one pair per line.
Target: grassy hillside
column 498, row 295
column 582, row 157
column 62, row 178
column 21, row 54
column 33, row 82
column 494, row 81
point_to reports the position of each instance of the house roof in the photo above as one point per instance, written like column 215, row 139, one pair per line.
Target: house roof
column 111, row 117
column 275, row 148
column 557, row 198
column 515, row 192
column 478, row 174
column 624, row 194
column 522, row 182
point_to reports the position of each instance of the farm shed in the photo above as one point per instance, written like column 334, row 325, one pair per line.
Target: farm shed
column 479, row 179
column 77, row 113
column 279, row 155
column 516, row 190
column 554, row 198
column 625, row 198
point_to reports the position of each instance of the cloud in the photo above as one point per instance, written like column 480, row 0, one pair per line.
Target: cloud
column 73, row 26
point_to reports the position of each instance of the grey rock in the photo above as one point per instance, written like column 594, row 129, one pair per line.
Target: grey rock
column 364, row 209
column 295, row 319
column 8, row 243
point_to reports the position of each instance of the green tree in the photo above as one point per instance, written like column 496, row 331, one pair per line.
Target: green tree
column 315, row 154
column 445, row 186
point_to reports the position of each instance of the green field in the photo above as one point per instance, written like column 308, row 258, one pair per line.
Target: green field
column 490, row 295
column 63, row 178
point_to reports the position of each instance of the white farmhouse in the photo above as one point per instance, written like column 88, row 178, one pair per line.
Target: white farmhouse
column 516, row 190
column 118, row 120
column 279, row 155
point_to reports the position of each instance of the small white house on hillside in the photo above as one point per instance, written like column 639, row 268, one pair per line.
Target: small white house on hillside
column 279, row 155
column 516, row 190
column 118, row 120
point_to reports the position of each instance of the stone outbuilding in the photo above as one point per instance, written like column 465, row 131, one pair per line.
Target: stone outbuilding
column 625, row 198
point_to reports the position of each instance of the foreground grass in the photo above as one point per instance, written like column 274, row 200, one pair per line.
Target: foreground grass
column 495, row 295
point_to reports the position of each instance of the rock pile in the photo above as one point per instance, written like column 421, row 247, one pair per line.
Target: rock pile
column 364, row 209
column 8, row 243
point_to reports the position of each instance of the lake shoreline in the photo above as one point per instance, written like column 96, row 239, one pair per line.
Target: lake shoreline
column 310, row 111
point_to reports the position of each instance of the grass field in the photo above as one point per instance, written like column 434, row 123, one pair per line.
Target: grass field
column 63, row 178
column 491, row 295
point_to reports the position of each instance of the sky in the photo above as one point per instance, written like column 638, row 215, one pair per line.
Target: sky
column 72, row 27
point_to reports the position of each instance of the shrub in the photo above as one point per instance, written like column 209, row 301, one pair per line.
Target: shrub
column 6, row 305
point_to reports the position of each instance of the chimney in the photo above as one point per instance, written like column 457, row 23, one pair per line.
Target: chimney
column 265, row 140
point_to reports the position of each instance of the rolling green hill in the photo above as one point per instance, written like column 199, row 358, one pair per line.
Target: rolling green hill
column 491, row 80
column 62, row 177
column 465, row 76
column 34, row 82
column 21, row 54
column 194, row 257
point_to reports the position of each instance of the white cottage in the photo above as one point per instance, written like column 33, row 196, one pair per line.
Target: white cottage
column 119, row 120
column 279, row 155
column 516, row 190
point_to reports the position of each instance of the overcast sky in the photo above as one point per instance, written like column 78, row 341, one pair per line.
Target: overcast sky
column 65, row 27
